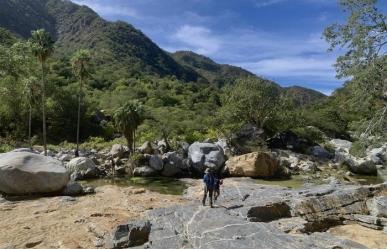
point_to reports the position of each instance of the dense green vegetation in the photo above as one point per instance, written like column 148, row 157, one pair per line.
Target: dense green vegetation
column 183, row 96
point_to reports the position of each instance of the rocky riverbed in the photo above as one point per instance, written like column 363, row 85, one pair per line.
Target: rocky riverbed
column 247, row 215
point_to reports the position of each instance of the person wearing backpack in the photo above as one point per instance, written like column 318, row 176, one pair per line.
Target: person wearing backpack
column 209, row 183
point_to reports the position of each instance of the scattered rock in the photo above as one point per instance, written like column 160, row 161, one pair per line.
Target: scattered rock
column 73, row 189
column 340, row 144
column 131, row 234
column 146, row 148
column 362, row 166
column 144, row 171
column 24, row 173
column 118, row 151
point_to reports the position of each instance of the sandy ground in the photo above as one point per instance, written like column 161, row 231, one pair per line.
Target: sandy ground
column 59, row 222
column 371, row 238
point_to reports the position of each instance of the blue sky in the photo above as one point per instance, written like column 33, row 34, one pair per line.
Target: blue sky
column 277, row 39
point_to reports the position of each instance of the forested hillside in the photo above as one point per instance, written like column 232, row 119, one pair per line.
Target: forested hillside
column 186, row 96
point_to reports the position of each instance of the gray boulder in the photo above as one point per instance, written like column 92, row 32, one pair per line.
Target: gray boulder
column 146, row 148
column 378, row 155
column 84, row 167
column 320, row 152
column 173, row 164
column 362, row 166
column 203, row 155
column 378, row 206
column 25, row 173
column 118, row 151
column 144, row 171
column 156, row 162
column 340, row 144
column 73, row 189
column 130, row 235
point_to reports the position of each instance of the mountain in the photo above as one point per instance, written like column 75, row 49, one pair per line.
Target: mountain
column 219, row 74
column 117, row 44
column 304, row 96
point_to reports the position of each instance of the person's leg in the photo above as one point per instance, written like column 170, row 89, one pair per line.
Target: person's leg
column 204, row 195
column 210, row 193
column 216, row 194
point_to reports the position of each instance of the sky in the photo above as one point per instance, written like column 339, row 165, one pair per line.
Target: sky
column 280, row 40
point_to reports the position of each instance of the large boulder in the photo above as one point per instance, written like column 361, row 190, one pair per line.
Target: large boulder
column 83, row 167
column 341, row 145
column 362, row 166
column 24, row 173
column 173, row 164
column 203, row 155
column 320, row 152
column 118, row 151
column 156, row 162
column 256, row 164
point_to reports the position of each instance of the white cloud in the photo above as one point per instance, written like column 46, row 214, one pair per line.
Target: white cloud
column 296, row 66
column 264, row 3
column 198, row 39
column 108, row 9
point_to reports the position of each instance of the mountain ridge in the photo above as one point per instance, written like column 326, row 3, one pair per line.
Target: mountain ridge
column 117, row 44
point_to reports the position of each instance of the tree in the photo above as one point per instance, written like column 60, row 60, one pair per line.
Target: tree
column 249, row 100
column 31, row 89
column 43, row 47
column 80, row 63
column 127, row 119
column 364, row 37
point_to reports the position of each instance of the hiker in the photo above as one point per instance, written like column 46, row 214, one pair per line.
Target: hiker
column 209, row 181
column 217, row 183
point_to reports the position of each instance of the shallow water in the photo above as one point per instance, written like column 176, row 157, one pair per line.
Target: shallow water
column 298, row 181
column 162, row 185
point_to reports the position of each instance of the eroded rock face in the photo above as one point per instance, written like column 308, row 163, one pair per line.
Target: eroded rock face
column 24, row 173
column 130, row 235
column 204, row 155
column 256, row 164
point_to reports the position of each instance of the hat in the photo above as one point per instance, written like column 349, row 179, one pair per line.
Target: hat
column 208, row 170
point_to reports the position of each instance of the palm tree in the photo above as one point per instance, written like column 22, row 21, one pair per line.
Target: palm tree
column 127, row 119
column 80, row 63
column 42, row 47
column 30, row 90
